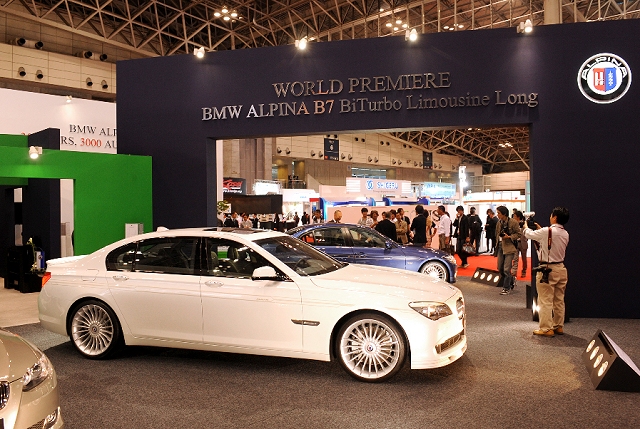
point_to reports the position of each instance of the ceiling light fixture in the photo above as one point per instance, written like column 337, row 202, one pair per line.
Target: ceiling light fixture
column 525, row 27
column 35, row 152
column 411, row 35
column 302, row 43
column 69, row 98
column 199, row 52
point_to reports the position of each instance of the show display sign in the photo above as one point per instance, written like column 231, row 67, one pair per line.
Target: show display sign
column 85, row 125
column 175, row 108
column 234, row 185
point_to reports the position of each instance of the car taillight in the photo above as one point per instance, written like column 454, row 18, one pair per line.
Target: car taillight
column 46, row 278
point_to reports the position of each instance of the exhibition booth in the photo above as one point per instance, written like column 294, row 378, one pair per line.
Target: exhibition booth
column 177, row 109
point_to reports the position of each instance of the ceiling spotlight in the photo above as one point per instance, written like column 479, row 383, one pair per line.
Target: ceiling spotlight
column 103, row 57
column 399, row 162
column 412, row 35
column 217, row 14
column 313, row 153
column 525, row 27
column 69, row 98
column 395, row 28
column 104, row 84
column 35, row 152
column 446, row 27
column 287, row 151
column 369, row 159
column 279, row 150
column 320, row 154
column 349, row 157
column 342, row 156
column 389, row 24
column 22, row 72
column 199, row 52
column 226, row 18
column 225, row 10
column 234, row 14
column 302, row 43
column 398, row 21
column 39, row 74
column 460, row 25
column 381, row 9
column 393, row 162
column 89, row 82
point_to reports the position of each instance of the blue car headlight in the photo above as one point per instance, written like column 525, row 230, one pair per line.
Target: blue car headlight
column 431, row 310
column 37, row 373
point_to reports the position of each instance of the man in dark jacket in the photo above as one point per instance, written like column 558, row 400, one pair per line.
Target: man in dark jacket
column 475, row 224
column 463, row 233
column 490, row 229
column 419, row 227
column 386, row 227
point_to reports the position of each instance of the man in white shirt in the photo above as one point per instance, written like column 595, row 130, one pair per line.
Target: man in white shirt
column 551, row 280
column 365, row 220
column 444, row 229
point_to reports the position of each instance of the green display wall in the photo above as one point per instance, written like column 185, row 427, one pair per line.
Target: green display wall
column 109, row 190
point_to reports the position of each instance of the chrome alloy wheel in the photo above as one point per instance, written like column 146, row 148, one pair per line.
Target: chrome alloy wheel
column 435, row 269
column 370, row 349
column 92, row 330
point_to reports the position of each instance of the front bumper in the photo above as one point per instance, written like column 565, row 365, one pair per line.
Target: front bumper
column 436, row 343
column 36, row 409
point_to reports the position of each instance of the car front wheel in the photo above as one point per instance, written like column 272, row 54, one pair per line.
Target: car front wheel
column 94, row 330
column 371, row 347
column 435, row 269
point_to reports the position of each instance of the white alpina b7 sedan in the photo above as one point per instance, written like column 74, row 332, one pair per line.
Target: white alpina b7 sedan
column 252, row 291
column 28, row 386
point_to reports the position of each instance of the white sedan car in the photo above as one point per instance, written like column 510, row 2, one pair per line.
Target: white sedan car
column 252, row 291
column 28, row 386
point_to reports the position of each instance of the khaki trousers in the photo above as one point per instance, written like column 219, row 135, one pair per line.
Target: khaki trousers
column 551, row 297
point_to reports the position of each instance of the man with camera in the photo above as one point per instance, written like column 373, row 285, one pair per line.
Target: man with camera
column 507, row 237
column 551, row 277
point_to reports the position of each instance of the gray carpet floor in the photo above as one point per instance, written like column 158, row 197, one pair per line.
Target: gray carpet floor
column 507, row 379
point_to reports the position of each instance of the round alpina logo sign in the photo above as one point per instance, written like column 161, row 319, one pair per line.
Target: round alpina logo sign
column 604, row 78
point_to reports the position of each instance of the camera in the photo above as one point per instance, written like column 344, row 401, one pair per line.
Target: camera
column 545, row 273
column 531, row 222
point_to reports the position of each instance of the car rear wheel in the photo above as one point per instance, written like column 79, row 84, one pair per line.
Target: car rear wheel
column 94, row 330
column 371, row 347
column 435, row 269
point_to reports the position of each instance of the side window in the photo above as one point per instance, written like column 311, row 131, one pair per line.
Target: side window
column 366, row 238
column 328, row 237
column 227, row 258
column 121, row 259
column 308, row 238
column 171, row 255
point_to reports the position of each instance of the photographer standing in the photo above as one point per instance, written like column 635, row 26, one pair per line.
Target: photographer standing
column 551, row 277
column 507, row 237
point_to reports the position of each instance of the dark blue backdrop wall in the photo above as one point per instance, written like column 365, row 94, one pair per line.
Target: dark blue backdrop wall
column 583, row 154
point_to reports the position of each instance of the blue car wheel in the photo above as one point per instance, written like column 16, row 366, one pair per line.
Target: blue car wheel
column 435, row 269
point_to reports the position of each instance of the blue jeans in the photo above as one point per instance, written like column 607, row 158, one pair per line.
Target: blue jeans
column 505, row 261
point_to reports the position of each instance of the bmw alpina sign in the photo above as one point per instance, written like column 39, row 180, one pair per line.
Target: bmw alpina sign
column 604, row 78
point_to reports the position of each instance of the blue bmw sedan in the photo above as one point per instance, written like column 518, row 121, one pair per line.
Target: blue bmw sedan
column 361, row 245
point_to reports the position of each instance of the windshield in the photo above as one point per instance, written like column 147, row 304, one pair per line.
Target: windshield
column 300, row 257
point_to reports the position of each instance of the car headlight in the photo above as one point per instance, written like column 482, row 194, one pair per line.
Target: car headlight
column 38, row 373
column 431, row 310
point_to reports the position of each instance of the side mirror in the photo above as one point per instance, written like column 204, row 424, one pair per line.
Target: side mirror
column 264, row 273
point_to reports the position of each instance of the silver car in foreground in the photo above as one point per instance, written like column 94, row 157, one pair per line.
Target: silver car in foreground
column 28, row 386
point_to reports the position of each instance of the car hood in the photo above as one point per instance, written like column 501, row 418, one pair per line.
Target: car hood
column 386, row 281
column 15, row 356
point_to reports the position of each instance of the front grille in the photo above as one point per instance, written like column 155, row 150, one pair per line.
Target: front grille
column 450, row 342
column 4, row 394
column 38, row 425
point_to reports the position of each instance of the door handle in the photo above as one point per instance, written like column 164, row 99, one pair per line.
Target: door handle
column 120, row 278
column 213, row 283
